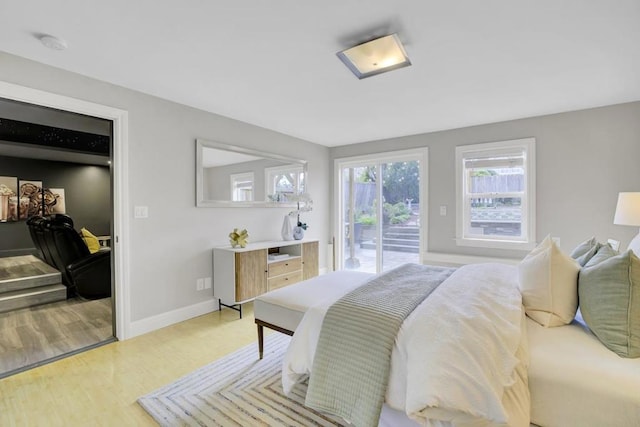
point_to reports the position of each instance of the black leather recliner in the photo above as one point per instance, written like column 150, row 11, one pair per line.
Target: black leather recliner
column 37, row 235
column 85, row 274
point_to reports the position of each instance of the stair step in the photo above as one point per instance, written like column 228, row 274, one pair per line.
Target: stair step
column 405, row 242
column 391, row 247
column 402, row 236
column 403, row 230
column 23, row 298
column 29, row 282
column 26, row 272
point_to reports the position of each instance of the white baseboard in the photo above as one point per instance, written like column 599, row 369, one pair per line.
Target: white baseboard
column 139, row 327
column 456, row 260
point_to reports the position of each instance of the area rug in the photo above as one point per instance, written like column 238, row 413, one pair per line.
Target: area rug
column 237, row 390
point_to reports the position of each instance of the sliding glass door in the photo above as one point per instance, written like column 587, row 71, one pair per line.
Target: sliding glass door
column 379, row 210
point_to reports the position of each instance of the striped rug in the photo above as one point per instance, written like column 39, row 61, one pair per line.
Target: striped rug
column 237, row 390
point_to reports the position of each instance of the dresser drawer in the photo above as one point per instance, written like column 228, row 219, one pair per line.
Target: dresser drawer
column 285, row 280
column 285, row 266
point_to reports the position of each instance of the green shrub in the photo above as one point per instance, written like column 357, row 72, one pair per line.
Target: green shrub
column 366, row 219
column 396, row 214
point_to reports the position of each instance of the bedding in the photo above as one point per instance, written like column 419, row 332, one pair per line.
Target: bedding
column 576, row 381
column 609, row 289
column 585, row 251
column 352, row 358
column 460, row 357
column 549, row 284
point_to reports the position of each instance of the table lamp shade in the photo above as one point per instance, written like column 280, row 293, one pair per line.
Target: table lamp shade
column 628, row 213
column 628, row 209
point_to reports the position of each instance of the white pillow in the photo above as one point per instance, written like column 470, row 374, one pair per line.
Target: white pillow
column 549, row 284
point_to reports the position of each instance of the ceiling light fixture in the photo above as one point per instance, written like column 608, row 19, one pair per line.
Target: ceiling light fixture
column 53, row 42
column 375, row 57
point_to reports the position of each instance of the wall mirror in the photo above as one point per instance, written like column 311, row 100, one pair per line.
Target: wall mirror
column 232, row 176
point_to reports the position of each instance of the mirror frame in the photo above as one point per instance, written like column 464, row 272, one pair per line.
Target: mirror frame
column 201, row 202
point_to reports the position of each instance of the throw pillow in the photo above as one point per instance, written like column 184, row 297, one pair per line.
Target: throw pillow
column 585, row 250
column 604, row 252
column 90, row 240
column 548, row 281
column 609, row 290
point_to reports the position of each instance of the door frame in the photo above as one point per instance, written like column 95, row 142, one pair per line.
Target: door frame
column 120, row 240
column 420, row 154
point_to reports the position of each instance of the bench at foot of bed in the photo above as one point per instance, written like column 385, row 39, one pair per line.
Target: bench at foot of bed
column 283, row 309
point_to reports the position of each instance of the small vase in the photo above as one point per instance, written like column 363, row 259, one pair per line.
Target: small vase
column 286, row 232
column 298, row 233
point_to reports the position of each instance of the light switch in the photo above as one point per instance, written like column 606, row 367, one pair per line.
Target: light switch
column 443, row 210
column 141, row 212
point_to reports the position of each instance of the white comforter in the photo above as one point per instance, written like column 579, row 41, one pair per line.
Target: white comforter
column 455, row 356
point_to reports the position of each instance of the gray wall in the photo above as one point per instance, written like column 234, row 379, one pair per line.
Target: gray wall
column 172, row 248
column 583, row 159
column 87, row 197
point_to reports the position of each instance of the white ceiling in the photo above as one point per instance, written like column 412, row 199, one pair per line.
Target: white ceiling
column 273, row 63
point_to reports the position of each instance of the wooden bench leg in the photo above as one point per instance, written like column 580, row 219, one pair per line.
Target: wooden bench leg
column 260, row 340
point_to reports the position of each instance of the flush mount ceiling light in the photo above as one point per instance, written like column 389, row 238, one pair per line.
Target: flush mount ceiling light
column 375, row 57
column 53, row 42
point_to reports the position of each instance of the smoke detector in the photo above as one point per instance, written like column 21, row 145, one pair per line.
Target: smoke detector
column 54, row 43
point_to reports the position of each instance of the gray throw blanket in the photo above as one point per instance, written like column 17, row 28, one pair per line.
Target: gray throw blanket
column 352, row 360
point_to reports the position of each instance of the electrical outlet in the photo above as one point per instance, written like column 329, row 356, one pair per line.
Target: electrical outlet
column 199, row 284
column 207, row 282
column 443, row 210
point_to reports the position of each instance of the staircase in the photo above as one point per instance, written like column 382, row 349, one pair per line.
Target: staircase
column 26, row 281
column 398, row 239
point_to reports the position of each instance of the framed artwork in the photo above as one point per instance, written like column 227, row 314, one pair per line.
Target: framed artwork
column 8, row 198
column 31, row 199
column 54, row 202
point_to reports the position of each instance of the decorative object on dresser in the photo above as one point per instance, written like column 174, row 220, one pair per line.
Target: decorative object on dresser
column 307, row 206
column 238, row 238
column 286, row 232
column 241, row 274
column 628, row 213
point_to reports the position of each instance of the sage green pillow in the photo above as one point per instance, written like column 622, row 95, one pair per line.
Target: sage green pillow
column 609, row 295
column 604, row 252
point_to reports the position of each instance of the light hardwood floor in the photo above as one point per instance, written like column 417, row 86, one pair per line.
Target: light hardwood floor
column 31, row 335
column 100, row 387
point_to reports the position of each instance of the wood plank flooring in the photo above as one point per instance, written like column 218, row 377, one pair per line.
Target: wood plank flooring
column 32, row 335
column 100, row 387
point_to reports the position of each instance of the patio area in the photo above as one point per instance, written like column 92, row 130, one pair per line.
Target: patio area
column 367, row 259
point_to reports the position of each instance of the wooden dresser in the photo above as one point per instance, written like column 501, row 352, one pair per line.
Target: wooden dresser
column 241, row 274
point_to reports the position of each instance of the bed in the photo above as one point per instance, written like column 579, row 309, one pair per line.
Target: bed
column 500, row 354
column 564, row 375
column 576, row 381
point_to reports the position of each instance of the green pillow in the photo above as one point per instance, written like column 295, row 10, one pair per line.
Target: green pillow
column 609, row 295
column 604, row 252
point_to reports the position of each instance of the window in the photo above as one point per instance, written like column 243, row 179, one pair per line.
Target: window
column 285, row 181
column 495, row 204
column 242, row 187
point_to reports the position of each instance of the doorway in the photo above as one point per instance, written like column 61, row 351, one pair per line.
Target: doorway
column 379, row 215
column 119, row 225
